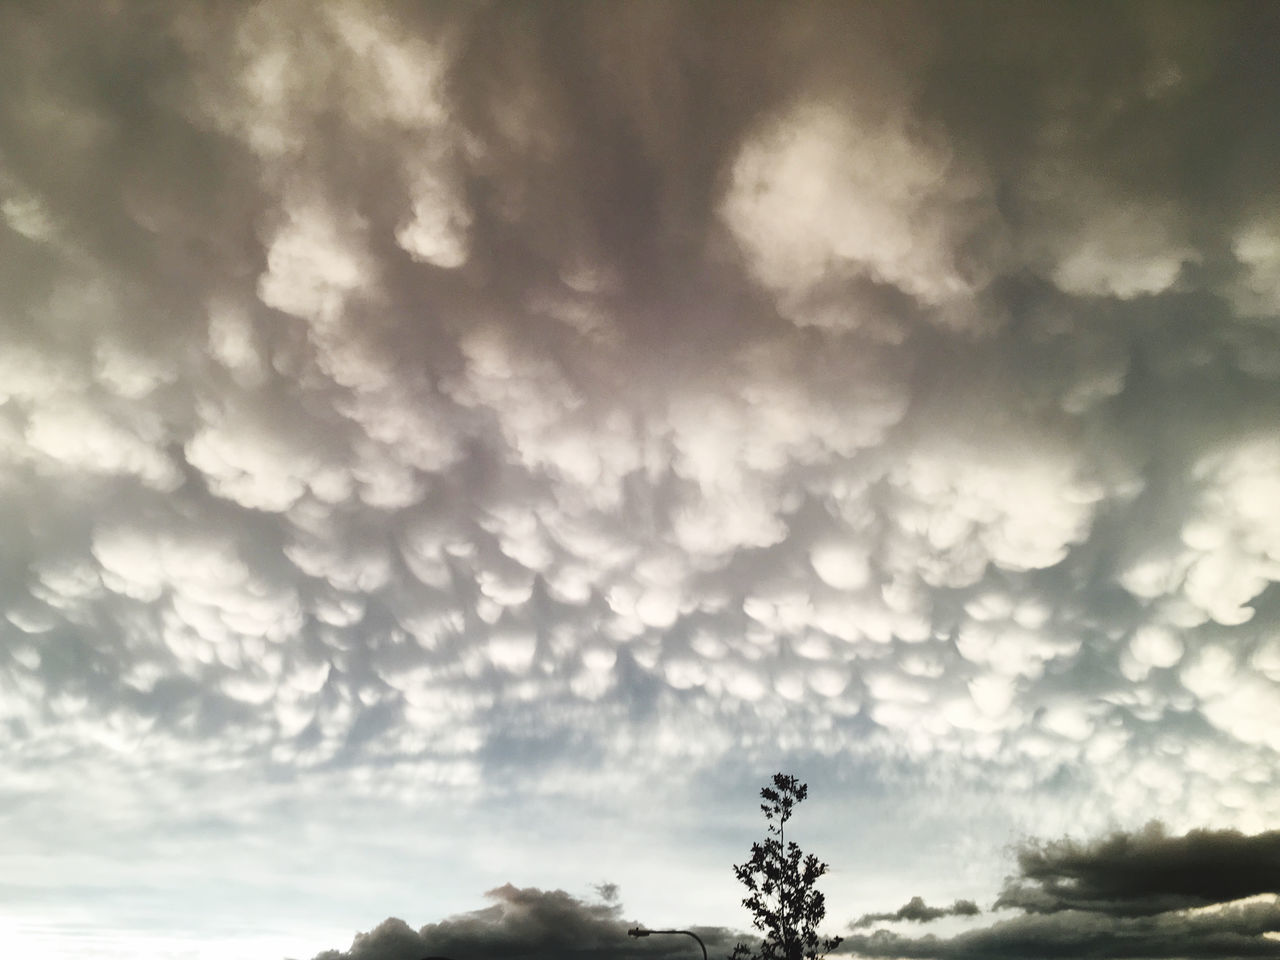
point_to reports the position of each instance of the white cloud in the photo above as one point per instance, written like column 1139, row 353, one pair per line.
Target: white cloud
column 315, row 260
column 963, row 509
column 81, row 436
column 1120, row 250
column 436, row 232
column 1152, row 645
column 248, row 457
column 828, row 188
column 1257, row 249
column 1229, row 546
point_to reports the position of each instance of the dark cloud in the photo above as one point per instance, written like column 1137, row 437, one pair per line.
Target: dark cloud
column 917, row 911
column 1144, row 873
column 1147, row 894
column 1143, row 895
column 1239, row 931
column 527, row 923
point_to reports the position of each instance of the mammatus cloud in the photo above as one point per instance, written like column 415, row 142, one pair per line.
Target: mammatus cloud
column 378, row 427
column 438, row 405
column 917, row 911
column 1147, row 894
column 528, row 923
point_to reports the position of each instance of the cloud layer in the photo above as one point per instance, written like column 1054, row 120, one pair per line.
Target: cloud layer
column 1149, row 894
column 1137, row 875
column 1212, row 894
column 524, row 922
column 917, row 911
column 433, row 406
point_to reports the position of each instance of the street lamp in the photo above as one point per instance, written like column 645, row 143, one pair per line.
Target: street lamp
column 641, row 932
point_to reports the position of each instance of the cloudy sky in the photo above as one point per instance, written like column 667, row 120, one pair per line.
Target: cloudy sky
column 451, row 456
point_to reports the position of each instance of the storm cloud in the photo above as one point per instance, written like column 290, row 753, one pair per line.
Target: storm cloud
column 1143, row 894
column 527, row 923
column 1140, row 895
column 556, row 418
column 1231, row 932
column 1145, row 873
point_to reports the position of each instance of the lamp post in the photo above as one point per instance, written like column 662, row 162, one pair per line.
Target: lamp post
column 641, row 932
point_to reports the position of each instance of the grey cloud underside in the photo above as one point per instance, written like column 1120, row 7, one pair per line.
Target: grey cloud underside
column 1145, row 873
column 1137, row 895
column 916, row 910
column 1232, row 932
column 451, row 393
column 525, row 922
column 1143, row 894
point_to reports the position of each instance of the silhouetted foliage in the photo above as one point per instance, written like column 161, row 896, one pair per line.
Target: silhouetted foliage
column 780, row 881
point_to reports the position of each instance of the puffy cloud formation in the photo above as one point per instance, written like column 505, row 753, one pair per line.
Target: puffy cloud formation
column 441, row 404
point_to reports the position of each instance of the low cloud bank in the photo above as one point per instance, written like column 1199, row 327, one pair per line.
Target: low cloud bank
column 531, row 924
column 1206, row 894
column 918, row 911
column 1209, row 893
column 1235, row 932
column 1145, row 873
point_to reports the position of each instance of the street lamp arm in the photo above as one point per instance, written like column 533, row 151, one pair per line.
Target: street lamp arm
column 641, row 932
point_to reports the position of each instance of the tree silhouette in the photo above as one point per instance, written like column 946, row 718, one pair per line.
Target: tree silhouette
column 780, row 881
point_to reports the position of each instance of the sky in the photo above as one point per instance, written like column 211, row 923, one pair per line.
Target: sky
column 453, row 455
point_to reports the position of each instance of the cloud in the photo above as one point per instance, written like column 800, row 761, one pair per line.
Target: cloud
column 917, row 911
column 1147, row 894
column 526, row 922
column 1143, row 895
column 445, row 405
column 1145, row 873
column 739, row 446
column 821, row 188
column 1231, row 932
